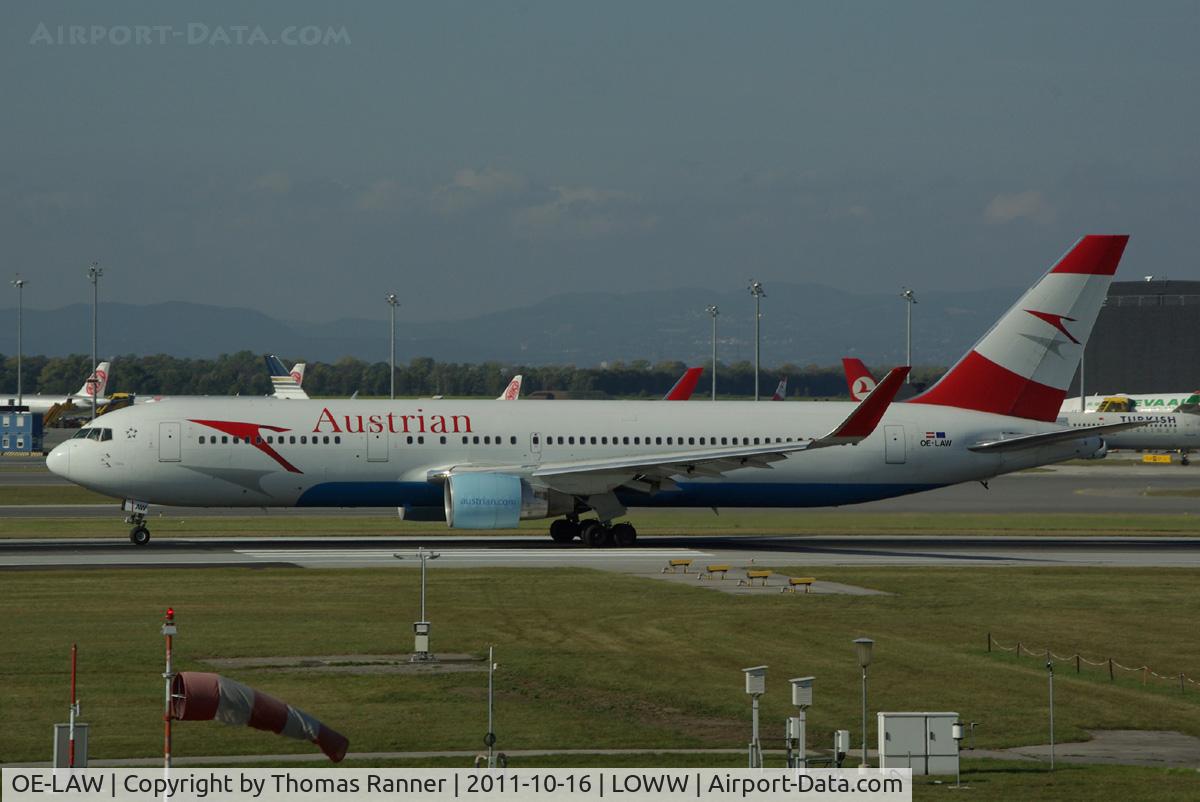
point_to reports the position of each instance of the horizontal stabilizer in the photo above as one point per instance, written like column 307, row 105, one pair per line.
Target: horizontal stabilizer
column 1049, row 438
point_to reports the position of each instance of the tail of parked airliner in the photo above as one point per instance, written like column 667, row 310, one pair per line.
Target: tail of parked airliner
column 682, row 390
column 781, row 390
column 1024, row 364
column 513, row 391
column 96, row 383
column 298, row 373
column 285, row 383
column 858, row 378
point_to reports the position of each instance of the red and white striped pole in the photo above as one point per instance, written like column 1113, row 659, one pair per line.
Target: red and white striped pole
column 168, row 631
column 74, row 711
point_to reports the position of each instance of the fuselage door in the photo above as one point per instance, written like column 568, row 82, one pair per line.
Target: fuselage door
column 168, row 441
column 377, row 446
column 535, row 446
column 893, row 445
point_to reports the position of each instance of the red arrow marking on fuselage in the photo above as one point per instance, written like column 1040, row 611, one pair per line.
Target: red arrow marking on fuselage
column 250, row 433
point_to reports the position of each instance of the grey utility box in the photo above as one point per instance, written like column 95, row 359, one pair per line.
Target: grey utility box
column 923, row 742
column 802, row 688
column 756, row 680
column 62, row 745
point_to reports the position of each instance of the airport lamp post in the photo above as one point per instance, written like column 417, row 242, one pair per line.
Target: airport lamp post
column 863, row 646
column 713, row 311
column 756, row 289
column 421, row 653
column 909, row 300
column 392, row 304
column 490, row 739
column 94, row 273
column 19, row 283
column 1050, row 673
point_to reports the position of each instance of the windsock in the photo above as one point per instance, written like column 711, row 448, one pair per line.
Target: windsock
column 200, row 696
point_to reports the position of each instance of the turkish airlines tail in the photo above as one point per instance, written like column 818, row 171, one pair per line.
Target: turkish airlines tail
column 858, row 378
column 95, row 384
column 1024, row 364
column 513, row 391
column 285, row 382
column 781, row 390
column 686, row 385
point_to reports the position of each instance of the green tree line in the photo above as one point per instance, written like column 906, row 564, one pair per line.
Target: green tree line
column 244, row 373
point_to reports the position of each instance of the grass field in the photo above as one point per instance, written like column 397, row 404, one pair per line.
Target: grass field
column 592, row 660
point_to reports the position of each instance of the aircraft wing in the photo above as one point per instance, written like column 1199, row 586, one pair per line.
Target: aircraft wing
column 650, row 471
column 1047, row 438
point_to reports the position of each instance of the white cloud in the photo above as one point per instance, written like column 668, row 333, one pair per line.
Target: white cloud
column 472, row 188
column 1030, row 205
column 278, row 182
column 579, row 213
column 383, row 195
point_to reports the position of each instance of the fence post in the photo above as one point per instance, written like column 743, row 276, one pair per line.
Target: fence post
column 1076, row 664
column 989, row 643
column 1181, row 689
column 1145, row 674
column 1110, row 671
column 1018, row 648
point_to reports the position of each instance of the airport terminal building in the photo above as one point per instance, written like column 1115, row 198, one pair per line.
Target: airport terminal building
column 1147, row 339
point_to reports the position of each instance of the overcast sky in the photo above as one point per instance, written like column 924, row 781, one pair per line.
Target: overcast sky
column 481, row 155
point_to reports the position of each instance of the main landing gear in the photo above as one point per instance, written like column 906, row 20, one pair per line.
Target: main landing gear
column 593, row 533
column 139, row 535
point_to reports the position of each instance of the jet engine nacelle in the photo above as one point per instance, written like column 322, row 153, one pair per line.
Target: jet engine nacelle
column 1101, row 452
column 498, row 501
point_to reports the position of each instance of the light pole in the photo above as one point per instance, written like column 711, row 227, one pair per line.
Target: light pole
column 756, row 289
column 863, row 647
column 19, row 283
column 421, row 653
column 392, row 304
column 1050, row 673
column 94, row 273
column 909, row 300
column 756, row 686
column 490, row 739
column 714, row 311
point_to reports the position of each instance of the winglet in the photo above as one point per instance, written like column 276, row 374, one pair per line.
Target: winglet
column 686, row 385
column 866, row 416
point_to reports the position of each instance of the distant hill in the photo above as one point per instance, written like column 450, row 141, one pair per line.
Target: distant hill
column 802, row 324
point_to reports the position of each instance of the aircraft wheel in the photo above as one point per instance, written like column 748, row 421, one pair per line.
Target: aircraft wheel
column 139, row 535
column 563, row 531
column 1184, row 460
column 624, row 535
column 595, row 534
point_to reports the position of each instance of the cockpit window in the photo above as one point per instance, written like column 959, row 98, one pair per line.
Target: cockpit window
column 81, row 433
column 105, row 434
column 94, row 433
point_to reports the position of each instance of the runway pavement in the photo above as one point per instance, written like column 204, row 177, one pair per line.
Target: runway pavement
column 648, row 557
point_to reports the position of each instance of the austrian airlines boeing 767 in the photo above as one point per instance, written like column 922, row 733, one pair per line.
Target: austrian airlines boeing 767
column 483, row 465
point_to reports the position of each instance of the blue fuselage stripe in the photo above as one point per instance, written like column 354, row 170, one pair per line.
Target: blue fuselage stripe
column 690, row 494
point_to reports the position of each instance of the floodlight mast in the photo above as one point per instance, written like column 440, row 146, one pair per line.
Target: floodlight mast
column 94, row 273
column 392, row 303
column 713, row 311
column 756, row 290
column 19, row 283
column 909, row 299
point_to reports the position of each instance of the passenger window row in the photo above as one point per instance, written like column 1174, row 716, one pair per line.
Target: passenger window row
column 269, row 439
column 570, row 440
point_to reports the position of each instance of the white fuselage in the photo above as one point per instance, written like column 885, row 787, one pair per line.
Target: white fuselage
column 347, row 453
column 1162, row 429
column 1145, row 402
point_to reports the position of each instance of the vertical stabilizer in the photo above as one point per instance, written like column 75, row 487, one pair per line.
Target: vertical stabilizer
column 1025, row 363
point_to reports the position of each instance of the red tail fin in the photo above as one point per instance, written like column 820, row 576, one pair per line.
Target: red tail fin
column 686, row 385
column 858, row 378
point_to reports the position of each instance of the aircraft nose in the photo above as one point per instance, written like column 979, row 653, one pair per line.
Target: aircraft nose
column 58, row 461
